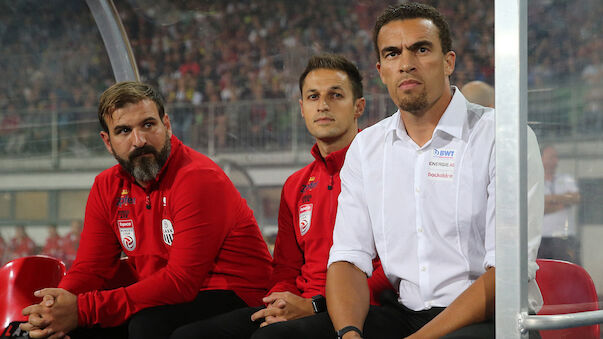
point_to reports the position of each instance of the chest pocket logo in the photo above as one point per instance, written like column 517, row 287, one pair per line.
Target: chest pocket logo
column 126, row 232
column 168, row 231
column 305, row 218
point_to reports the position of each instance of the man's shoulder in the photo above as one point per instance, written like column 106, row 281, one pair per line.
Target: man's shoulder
column 376, row 133
column 298, row 177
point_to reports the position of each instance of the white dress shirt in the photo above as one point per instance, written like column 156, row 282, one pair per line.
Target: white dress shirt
column 428, row 212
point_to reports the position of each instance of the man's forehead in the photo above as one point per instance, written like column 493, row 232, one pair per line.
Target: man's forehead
column 408, row 31
column 136, row 110
column 324, row 78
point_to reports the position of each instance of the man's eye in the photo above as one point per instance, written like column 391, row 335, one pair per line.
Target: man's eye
column 337, row 95
column 123, row 130
column 391, row 54
column 423, row 50
column 312, row 96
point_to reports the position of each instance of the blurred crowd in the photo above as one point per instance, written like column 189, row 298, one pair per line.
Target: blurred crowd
column 203, row 54
column 56, row 246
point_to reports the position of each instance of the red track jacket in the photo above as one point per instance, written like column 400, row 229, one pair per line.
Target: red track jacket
column 305, row 229
column 189, row 231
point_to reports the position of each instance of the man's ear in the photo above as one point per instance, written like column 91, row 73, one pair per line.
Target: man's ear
column 449, row 62
column 105, row 136
column 301, row 107
column 359, row 106
column 167, row 124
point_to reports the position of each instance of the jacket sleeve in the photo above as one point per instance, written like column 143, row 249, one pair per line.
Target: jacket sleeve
column 378, row 282
column 99, row 250
column 202, row 209
column 288, row 256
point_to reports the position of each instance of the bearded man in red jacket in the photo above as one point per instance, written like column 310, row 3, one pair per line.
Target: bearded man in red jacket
column 189, row 235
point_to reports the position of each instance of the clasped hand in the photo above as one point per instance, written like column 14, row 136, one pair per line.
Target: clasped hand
column 283, row 306
column 52, row 318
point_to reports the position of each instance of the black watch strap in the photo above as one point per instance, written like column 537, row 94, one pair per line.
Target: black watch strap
column 347, row 329
column 319, row 303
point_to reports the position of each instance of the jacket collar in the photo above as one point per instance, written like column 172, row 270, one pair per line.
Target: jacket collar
column 333, row 162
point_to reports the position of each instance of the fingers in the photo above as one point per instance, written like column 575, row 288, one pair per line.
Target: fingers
column 36, row 308
column 271, row 320
column 258, row 315
column 55, row 292
column 271, row 298
column 48, row 300
column 40, row 333
column 27, row 327
column 38, row 320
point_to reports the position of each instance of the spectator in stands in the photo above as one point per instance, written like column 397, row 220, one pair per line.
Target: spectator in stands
column 71, row 242
column 331, row 103
column 479, row 92
column 54, row 243
column 192, row 239
column 21, row 244
column 559, row 231
column 418, row 188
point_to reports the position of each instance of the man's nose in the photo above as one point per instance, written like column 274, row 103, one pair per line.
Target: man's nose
column 139, row 138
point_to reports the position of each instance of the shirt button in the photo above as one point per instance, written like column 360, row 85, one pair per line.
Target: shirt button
column 417, row 189
column 423, row 268
column 420, row 230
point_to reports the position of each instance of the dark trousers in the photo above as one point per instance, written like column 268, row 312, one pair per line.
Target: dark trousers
column 159, row 322
column 391, row 320
column 567, row 249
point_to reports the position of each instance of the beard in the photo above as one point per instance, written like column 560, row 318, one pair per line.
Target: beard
column 414, row 104
column 142, row 168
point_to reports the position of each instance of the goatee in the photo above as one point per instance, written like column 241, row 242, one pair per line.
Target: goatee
column 144, row 168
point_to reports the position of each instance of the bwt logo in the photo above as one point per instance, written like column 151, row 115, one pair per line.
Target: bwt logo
column 443, row 153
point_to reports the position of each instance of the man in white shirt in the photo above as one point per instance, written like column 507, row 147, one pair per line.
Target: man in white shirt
column 559, row 240
column 418, row 190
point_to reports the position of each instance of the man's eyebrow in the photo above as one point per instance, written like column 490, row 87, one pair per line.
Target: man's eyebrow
column 421, row 43
column 389, row 49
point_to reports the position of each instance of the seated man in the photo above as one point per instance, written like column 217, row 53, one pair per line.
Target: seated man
column 332, row 101
column 192, row 239
column 418, row 189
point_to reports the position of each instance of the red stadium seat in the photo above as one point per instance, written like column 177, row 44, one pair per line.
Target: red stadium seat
column 566, row 288
column 19, row 279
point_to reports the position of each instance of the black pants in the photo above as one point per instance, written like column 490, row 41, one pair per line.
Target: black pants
column 391, row 320
column 567, row 249
column 160, row 321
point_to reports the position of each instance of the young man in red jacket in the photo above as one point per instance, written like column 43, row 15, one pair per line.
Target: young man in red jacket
column 331, row 103
column 190, row 236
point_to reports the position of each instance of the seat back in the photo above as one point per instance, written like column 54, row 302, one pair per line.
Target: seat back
column 20, row 278
column 566, row 288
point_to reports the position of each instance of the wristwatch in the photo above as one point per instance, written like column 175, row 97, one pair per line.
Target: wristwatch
column 319, row 303
column 347, row 329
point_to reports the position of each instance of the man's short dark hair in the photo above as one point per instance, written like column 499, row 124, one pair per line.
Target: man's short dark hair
column 335, row 62
column 414, row 10
column 123, row 93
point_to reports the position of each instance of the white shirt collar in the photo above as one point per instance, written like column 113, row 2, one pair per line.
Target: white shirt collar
column 452, row 121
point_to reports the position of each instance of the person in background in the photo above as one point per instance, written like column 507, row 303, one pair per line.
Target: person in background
column 21, row 244
column 479, row 92
column 54, row 243
column 71, row 242
column 561, row 194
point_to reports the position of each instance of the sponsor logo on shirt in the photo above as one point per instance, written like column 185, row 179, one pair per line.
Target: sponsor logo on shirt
column 125, row 200
column 309, row 186
column 123, row 214
column 441, row 165
column 168, row 231
column 306, row 198
column 305, row 218
column 126, row 232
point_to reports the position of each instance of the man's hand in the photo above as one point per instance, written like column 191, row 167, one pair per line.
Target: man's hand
column 283, row 306
column 54, row 317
